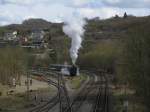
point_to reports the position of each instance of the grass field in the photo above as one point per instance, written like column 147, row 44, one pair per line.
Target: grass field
column 77, row 81
column 133, row 104
column 12, row 103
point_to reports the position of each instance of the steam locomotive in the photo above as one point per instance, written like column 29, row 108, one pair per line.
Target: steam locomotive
column 67, row 70
column 73, row 70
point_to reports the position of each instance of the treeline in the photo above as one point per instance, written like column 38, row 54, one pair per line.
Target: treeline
column 100, row 56
column 12, row 64
column 136, row 61
column 128, row 59
column 17, row 61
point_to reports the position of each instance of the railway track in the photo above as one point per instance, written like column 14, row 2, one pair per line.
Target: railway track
column 59, row 98
column 102, row 99
column 81, row 96
column 98, row 87
column 50, row 103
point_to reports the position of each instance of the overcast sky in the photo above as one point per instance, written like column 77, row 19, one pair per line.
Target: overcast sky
column 15, row 11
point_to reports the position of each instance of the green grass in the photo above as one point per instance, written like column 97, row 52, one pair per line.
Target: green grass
column 17, row 102
column 77, row 81
column 134, row 105
column 12, row 103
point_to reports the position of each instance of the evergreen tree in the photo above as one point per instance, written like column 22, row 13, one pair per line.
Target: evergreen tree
column 125, row 15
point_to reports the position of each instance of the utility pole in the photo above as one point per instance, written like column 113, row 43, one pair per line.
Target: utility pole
column 27, row 83
column 125, row 102
column 59, row 90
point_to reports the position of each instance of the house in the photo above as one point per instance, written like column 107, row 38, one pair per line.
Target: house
column 10, row 36
column 34, row 40
column 37, row 35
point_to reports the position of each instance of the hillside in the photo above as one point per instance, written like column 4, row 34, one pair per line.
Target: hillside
column 97, row 29
column 112, row 30
column 32, row 24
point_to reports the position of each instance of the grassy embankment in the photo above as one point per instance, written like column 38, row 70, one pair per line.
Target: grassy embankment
column 77, row 81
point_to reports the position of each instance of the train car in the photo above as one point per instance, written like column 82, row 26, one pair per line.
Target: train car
column 67, row 70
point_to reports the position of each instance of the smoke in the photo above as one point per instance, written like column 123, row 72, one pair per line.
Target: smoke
column 74, row 28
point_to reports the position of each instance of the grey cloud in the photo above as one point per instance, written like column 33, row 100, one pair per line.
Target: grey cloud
column 127, row 3
column 31, row 2
column 2, row 1
column 15, row 11
column 4, row 20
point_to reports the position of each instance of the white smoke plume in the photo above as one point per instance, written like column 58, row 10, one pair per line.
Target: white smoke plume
column 74, row 28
